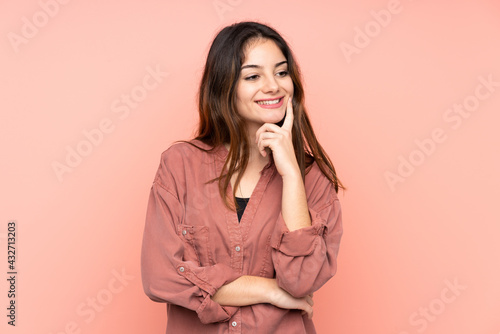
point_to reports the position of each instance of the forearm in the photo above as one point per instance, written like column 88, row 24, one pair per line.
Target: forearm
column 294, row 207
column 251, row 290
column 245, row 290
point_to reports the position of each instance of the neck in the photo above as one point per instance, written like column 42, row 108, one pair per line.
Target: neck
column 255, row 158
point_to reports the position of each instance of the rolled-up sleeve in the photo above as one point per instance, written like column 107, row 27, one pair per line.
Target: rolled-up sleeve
column 166, row 276
column 305, row 259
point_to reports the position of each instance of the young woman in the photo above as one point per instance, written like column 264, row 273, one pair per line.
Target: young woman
column 243, row 222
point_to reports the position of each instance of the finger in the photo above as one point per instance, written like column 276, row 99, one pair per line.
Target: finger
column 288, row 123
column 267, row 127
column 309, row 300
column 263, row 152
column 309, row 311
column 306, row 307
column 269, row 135
column 264, row 146
column 264, row 140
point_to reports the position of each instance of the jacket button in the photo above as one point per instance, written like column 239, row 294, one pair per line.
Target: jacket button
column 184, row 232
column 181, row 269
column 234, row 324
column 237, row 248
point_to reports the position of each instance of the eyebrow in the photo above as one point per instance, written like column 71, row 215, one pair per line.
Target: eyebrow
column 258, row 66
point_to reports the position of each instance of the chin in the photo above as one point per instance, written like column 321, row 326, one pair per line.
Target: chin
column 275, row 117
column 280, row 122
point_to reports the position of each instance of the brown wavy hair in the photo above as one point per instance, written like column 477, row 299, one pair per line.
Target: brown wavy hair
column 220, row 122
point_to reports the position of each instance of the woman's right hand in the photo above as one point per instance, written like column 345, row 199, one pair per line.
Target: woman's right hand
column 283, row 299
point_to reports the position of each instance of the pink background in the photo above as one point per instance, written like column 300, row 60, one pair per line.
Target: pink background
column 404, row 243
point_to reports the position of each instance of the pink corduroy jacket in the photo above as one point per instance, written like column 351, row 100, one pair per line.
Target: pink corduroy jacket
column 193, row 244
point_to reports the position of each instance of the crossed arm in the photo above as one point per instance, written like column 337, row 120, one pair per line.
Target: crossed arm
column 250, row 290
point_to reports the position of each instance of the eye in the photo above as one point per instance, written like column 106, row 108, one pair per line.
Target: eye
column 251, row 77
column 282, row 73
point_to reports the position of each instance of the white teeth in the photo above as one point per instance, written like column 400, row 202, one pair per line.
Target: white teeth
column 269, row 102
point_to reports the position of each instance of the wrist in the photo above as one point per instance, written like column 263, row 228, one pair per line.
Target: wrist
column 270, row 289
column 293, row 176
column 259, row 289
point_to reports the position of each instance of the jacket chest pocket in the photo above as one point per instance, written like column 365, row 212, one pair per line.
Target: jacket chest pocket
column 197, row 244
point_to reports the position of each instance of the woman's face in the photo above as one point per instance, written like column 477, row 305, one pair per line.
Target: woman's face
column 264, row 85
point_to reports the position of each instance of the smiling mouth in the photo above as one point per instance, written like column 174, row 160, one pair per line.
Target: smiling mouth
column 269, row 102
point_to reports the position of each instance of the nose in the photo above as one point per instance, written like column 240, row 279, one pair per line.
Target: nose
column 270, row 85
